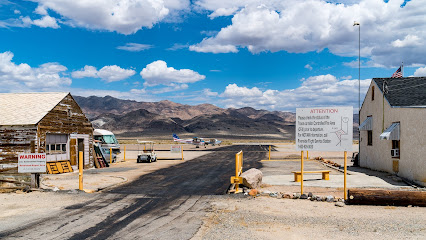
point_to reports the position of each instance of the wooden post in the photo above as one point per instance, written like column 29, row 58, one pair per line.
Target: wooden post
column 307, row 155
column 124, row 154
column 301, row 172
column 344, row 178
column 387, row 197
column 80, row 170
column 35, row 177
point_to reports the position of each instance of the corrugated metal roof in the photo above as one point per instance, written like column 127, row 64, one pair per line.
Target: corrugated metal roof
column 392, row 133
column 367, row 125
column 27, row 108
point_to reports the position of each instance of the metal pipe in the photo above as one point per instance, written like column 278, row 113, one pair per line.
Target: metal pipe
column 80, row 170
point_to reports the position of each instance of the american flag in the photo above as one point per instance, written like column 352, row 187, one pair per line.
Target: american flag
column 397, row 74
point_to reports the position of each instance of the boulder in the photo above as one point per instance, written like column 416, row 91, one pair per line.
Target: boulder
column 252, row 178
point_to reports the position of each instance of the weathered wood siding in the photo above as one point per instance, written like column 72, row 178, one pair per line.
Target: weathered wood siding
column 66, row 118
column 15, row 140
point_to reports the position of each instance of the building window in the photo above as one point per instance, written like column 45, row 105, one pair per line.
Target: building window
column 369, row 138
column 395, row 152
column 372, row 93
column 56, row 143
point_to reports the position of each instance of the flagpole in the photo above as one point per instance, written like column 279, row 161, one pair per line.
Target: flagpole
column 402, row 68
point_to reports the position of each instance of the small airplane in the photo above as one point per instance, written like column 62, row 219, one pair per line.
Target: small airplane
column 196, row 141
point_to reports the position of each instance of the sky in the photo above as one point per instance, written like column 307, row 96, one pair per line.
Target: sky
column 266, row 54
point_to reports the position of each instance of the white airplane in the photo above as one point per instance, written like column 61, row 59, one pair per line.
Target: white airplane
column 196, row 141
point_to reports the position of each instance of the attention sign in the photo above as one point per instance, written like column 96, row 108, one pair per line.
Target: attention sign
column 324, row 129
column 32, row 163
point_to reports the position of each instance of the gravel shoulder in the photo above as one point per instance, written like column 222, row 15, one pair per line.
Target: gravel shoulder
column 237, row 217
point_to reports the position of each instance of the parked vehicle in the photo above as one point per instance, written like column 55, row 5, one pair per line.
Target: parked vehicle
column 147, row 154
column 107, row 140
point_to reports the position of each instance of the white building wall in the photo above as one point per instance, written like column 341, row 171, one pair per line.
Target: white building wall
column 412, row 161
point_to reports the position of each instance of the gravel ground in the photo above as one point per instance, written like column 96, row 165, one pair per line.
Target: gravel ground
column 240, row 217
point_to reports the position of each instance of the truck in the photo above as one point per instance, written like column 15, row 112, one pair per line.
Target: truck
column 107, row 140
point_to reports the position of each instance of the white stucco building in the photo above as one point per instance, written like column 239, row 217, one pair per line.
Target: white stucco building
column 393, row 127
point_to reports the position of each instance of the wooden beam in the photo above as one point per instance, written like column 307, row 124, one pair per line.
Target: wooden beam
column 386, row 197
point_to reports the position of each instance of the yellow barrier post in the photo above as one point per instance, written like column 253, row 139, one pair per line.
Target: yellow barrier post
column 124, row 154
column 237, row 160
column 80, row 170
column 307, row 155
column 238, row 170
column 110, row 155
column 344, row 180
column 181, row 149
column 269, row 152
column 301, row 172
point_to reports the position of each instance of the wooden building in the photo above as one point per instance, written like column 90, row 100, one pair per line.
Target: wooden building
column 393, row 127
column 50, row 123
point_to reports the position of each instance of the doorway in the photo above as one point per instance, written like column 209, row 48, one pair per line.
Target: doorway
column 80, row 148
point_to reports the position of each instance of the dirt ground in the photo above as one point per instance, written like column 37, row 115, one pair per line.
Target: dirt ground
column 238, row 216
column 232, row 217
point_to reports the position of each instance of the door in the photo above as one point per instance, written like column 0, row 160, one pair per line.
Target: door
column 80, row 148
column 73, row 154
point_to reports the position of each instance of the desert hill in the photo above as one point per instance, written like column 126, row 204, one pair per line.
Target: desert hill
column 129, row 118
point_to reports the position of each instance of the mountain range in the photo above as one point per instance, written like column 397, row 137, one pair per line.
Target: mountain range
column 128, row 118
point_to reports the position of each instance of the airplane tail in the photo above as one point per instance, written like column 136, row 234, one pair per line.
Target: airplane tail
column 175, row 136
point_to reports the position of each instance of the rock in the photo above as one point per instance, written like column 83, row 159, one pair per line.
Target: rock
column 339, row 204
column 303, row 196
column 310, row 194
column 56, row 189
column 252, row 178
column 279, row 195
column 287, row 195
column 274, row 195
column 253, row 192
column 329, row 198
column 319, row 198
column 296, row 195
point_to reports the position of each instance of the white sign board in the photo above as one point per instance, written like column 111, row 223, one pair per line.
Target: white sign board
column 324, row 129
column 176, row 149
column 32, row 163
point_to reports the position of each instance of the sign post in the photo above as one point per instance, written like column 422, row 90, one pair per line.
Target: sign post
column 324, row 129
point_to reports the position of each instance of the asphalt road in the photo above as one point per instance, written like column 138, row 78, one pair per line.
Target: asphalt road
column 166, row 204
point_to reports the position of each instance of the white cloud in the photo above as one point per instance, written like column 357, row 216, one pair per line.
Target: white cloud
column 389, row 33
column 420, row 72
column 223, row 12
column 134, row 47
column 207, row 92
column 323, row 90
column 46, row 22
column 23, row 77
column 157, row 73
column 307, row 66
column 16, row 11
column 87, row 71
column 170, row 88
column 122, row 16
column 408, row 41
column 133, row 94
column 178, row 46
column 207, row 46
column 23, row 22
column 108, row 73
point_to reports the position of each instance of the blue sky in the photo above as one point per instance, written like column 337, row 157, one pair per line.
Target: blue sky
column 270, row 54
